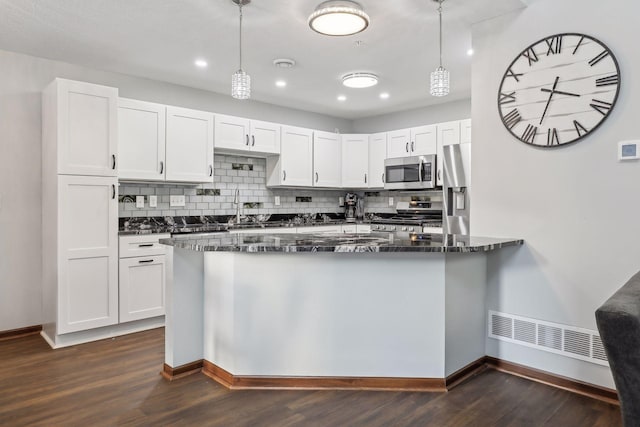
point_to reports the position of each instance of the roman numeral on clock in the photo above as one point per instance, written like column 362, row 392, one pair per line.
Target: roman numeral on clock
column 552, row 137
column 510, row 73
column 607, row 81
column 601, row 106
column 529, row 134
column 578, row 45
column 599, row 58
column 512, row 119
column 507, row 98
column 554, row 45
column 579, row 128
column 531, row 56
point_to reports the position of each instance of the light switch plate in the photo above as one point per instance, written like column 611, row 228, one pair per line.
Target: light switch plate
column 276, row 200
column 139, row 201
column 153, row 201
column 390, row 201
column 176, row 200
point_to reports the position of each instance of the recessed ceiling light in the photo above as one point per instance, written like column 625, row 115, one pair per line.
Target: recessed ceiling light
column 338, row 18
column 360, row 80
column 470, row 52
column 281, row 83
column 342, row 98
column 200, row 63
column 384, row 95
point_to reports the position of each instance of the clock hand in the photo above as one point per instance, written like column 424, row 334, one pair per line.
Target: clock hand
column 559, row 92
column 553, row 90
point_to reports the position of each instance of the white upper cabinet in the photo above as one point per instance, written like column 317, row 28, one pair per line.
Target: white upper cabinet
column 377, row 154
column 465, row 131
column 87, row 247
column 448, row 134
column 294, row 166
column 423, row 140
column 327, row 164
column 398, row 143
column 86, row 126
column 189, row 148
column 141, row 140
column 236, row 134
column 355, row 161
column 415, row 141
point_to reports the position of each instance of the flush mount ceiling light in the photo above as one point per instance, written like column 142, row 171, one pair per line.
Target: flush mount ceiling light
column 241, row 81
column 440, row 77
column 360, row 80
column 284, row 63
column 338, row 18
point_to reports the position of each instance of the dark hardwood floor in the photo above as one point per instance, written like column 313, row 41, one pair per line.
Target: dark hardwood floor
column 117, row 382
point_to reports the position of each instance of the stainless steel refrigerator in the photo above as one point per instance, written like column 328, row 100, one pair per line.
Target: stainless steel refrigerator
column 455, row 187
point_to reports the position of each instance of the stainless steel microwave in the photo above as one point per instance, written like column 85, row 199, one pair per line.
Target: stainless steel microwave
column 410, row 173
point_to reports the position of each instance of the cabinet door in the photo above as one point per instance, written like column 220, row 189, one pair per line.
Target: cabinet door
column 189, row 145
column 448, row 134
column 87, row 129
column 327, row 154
column 232, row 133
column 141, row 140
column 377, row 154
column 423, row 140
column 465, row 131
column 398, row 143
column 296, row 157
column 265, row 137
column 87, row 253
column 355, row 161
column 142, row 282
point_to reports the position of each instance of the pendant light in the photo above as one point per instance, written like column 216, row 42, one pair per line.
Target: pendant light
column 241, row 81
column 440, row 77
column 338, row 18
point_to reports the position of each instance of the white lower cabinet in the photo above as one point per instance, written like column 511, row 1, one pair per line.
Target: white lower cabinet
column 350, row 228
column 142, row 277
column 276, row 230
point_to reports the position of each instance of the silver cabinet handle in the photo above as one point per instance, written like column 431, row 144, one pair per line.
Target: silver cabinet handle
column 365, row 178
column 316, row 176
column 210, row 170
column 145, row 245
column 253, row 140
column 247, row 143
column 144, row 261
column 113, row 191
column 382, row 177
column 407, row 147
column 161, row 167
column 284, row 175
column 412, row 145
column 113, row 161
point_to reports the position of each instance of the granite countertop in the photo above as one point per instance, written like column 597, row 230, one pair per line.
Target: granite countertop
column 373, row 242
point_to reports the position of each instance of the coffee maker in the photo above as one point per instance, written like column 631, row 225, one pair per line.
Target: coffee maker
column 350, row 204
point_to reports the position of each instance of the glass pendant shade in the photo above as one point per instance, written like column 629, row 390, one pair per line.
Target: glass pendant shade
column 241, row 85
column 440, row 82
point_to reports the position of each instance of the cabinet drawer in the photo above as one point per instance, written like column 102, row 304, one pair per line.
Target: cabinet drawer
column 352, row 228
column 142, row 282
column 143, row 245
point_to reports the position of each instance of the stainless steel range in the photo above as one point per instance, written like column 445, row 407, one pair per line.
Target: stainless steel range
column 423, row 215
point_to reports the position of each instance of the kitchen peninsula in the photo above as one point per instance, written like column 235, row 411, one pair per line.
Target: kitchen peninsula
column 379, row 311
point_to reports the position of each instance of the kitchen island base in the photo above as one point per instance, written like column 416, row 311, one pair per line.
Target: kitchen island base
column 405, row 320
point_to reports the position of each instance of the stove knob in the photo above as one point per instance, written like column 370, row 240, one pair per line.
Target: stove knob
column 404, row 228
column 410, row 228
column 392, row 228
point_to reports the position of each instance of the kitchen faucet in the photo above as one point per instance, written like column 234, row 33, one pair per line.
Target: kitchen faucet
column 236, row 200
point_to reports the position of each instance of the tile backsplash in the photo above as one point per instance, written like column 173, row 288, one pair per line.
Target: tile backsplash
column 248, row 176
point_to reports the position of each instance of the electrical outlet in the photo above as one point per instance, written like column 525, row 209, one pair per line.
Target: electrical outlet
column 139, row 201
column 276, row 200
column 176, row 200
column 390, row 201
column 340, row 201
column 153, row 201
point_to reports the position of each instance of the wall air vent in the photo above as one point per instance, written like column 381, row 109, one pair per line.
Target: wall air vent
column 570, row 341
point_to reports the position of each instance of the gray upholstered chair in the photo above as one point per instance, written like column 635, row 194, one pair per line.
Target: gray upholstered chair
column 619, row 324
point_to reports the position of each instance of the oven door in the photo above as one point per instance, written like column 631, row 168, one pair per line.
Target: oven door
column 406, row 173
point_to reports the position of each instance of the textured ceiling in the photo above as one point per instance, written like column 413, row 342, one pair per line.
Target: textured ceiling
column 160, row 39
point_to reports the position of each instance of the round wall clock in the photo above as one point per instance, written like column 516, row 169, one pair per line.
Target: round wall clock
column 559, row 90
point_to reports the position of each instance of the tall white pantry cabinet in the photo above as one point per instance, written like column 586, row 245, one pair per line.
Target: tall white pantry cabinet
column 80, row 208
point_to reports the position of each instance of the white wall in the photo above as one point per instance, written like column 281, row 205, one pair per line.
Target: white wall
column 575, row 206
column 454, row 110
column 23, row 78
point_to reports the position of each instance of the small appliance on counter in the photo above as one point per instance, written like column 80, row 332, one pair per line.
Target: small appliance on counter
column 351, row 203
column 455, row 188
